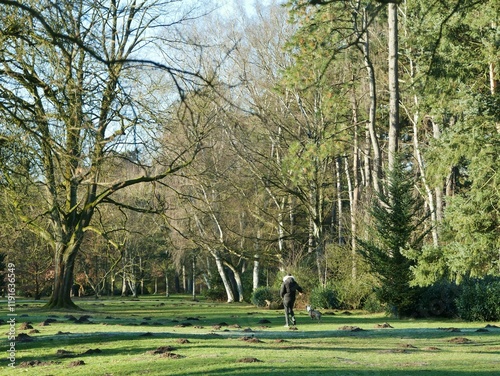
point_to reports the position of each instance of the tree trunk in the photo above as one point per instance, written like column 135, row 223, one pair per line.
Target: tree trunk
column 280, row 206
column 112, row 288
column 207, row 274
column 184, row 279
column 132, row 284
column 438, row 190
column 237, row 278
column 124, row 282
column 353, row 207
column 366, row 178
column 194, row 277
column 423, row 178
column 256, row 272
column 354, row 188
column 63, row 279
column 393, row 85
column 374, row 173
column 222, row 273
column 338, row 176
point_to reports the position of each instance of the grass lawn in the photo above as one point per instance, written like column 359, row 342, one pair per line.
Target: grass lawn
column 172, row 336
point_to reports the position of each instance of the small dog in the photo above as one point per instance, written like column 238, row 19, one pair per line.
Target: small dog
column 313, row 314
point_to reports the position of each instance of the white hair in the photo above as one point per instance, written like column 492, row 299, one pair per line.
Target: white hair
column 288, row 276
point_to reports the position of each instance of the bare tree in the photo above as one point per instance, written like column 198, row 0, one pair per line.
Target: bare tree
column 73, row 92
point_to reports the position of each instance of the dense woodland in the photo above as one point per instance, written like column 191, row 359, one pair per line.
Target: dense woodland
column 173, row 146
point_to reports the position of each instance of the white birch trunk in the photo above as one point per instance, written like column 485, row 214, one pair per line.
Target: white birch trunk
column 222, row 273
column 256, row 272
column 237, row 278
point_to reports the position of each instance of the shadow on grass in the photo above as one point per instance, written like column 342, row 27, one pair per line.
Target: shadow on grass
column 297, row 370
column 140, row 342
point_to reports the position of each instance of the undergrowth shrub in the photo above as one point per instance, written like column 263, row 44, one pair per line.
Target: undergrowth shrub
column 372, row 304
column 260, row 295
column 351, row 294
column 438, row 300
column 479, row 299
column 216, row 294
column 323, row 297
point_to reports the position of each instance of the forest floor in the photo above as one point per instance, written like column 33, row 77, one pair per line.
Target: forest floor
column 171, row 336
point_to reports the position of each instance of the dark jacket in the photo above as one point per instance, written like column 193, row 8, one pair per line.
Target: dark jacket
column 289, row 289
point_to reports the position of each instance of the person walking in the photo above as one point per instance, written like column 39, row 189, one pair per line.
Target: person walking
column 288, row 291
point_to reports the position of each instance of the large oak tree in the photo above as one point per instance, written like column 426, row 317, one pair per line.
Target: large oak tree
column 78, row 92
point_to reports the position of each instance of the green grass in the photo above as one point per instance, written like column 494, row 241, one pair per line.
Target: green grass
column 125, row 332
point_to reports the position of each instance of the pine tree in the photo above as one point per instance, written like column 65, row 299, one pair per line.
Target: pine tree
column 396, row 226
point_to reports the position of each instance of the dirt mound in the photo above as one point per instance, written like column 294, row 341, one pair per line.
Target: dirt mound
column 25, row 326
column 183, row 325
column 249, row 360
column 76, row 363
column 83, row 320
column 251, row 339
column 350, row 328
column 92, row 352
column 61, row 353
column 383, row 326
column 165, row 352
column 22, row 337
column 407, row 346
column 162, row 350
column 171, row 355
column 394, row 351
column 453, row 330
column 460, row 340
column 35, row 363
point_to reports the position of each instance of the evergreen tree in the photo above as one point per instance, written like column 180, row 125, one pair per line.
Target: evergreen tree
column 396, row 226
column 471, row 225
